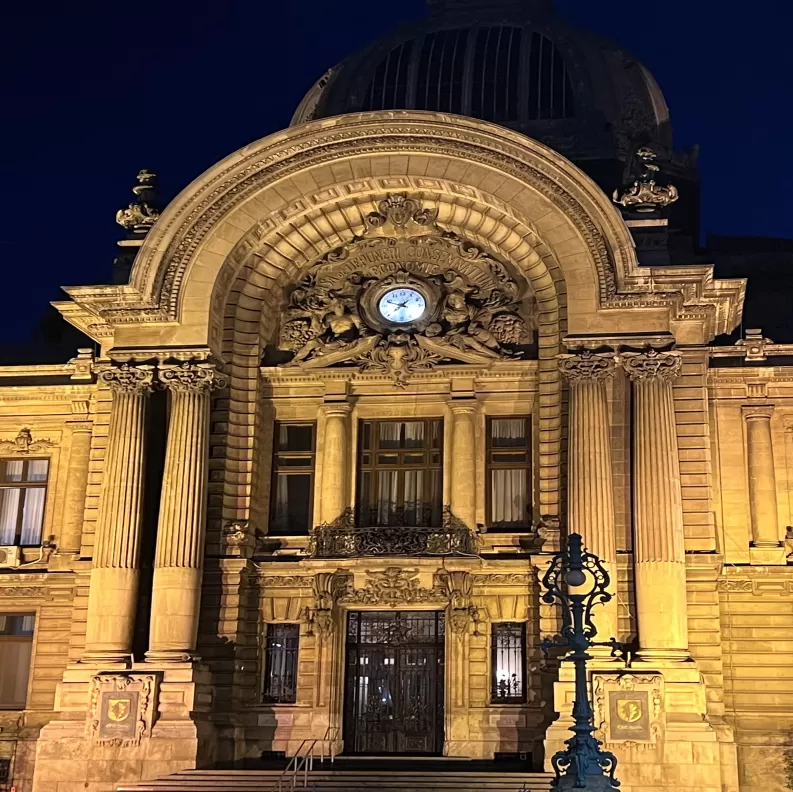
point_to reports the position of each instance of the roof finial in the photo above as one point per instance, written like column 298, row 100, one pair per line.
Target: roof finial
column 142, row 213
column 644, row 195
column 138, row 218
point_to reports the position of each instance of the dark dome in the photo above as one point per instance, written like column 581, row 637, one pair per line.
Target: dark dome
column 509, row 62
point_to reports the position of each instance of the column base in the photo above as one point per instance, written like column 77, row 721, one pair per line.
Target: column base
column 171, row 656
column 108, row 659
column 663, row 655
column 767, row 555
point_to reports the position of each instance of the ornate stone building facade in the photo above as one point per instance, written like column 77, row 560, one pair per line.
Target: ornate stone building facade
column 363, row 377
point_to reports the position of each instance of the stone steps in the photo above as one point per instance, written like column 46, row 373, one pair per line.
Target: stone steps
column 413, row 780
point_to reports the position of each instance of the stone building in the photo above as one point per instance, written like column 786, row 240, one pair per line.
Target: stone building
column 361, row 378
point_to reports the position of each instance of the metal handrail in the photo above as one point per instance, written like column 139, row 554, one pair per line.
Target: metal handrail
column 305, row 763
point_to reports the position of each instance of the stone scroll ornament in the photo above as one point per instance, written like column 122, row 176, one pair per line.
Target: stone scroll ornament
column 465, row 305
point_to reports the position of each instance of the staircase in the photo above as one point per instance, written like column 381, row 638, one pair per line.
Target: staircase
column 407, row 775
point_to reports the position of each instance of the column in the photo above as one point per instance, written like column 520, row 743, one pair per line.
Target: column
column 113, row 592
column 658, row 551
column 179, row 555
column 335, row 461
column 71, row 531
column 762, row 479
column 463, row 457
column 590, row 500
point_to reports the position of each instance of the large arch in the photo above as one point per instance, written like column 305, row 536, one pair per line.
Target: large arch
column 211, row 273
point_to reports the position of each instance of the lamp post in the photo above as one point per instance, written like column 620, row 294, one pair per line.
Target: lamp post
column 582, row 765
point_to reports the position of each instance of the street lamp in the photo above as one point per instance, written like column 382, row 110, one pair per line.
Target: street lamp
column 582, row 765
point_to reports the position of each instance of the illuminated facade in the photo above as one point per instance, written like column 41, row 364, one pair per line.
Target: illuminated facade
column 363, row 377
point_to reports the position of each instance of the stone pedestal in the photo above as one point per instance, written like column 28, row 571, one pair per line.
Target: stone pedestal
column 178, row 562
column 112, row 599
column 659, row 553
column 463, row 456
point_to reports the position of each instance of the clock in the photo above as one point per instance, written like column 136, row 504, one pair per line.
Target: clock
column 402, row 306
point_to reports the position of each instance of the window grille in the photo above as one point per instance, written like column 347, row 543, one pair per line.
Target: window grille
column 508, row 659
column 280, row 663
column 23, row 492
column 293, row 478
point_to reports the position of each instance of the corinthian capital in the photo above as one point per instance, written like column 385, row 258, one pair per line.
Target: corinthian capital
column 192, row 377
column 129, row 379
column 586, row 366
column 652, row 365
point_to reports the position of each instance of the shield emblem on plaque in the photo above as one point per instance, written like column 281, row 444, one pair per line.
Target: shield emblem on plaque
column 118, row 709
column 629, row 710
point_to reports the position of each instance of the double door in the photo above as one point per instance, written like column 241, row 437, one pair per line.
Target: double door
column 394, row 682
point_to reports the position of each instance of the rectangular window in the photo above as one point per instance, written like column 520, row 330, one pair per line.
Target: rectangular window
column 508, row 473
column 400, row 479
column 23, row 490
column 508, row 659
column 293, row 478
column 280, row 663
column 16, row 651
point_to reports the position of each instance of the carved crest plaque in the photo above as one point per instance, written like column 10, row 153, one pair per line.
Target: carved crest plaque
column 628, row 707
column 122, row 708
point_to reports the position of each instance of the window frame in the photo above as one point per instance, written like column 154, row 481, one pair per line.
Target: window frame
column 277, row 471
column 21, row 638
column 24, row 485
column 373, row 467
column 490, row 466
column 495, row 700
column 267, row 655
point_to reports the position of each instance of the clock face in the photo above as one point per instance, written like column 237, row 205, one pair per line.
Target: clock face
column 402, row 305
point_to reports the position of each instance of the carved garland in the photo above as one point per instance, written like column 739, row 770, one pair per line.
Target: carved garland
column 24, row 443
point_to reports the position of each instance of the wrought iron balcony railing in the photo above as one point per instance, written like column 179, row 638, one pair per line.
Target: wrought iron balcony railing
column 343, row 539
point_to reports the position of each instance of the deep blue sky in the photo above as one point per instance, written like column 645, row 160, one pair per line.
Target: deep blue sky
column 93, row 91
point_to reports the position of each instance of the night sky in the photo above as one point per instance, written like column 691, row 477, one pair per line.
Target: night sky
column 94, row 91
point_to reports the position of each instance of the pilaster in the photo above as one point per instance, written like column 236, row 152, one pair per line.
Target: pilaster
column 463, row 474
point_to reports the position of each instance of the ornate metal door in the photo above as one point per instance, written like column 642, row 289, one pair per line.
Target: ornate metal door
column 394, row 687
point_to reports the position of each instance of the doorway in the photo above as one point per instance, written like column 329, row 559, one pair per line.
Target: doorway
column 394, row 682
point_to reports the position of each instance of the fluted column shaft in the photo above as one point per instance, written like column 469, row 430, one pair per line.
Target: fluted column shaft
column 71, row 531
column 659, row 552
column 179, row 555
column 762, row 477
column 589, row 470
column 463, row 456
column 335, row 461
column 113, row 592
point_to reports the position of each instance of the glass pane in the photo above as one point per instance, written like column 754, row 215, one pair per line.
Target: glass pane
column 366, row 436
column 510, row 457
column 414, row 434
column 389, row 434
column 306, row 461
column 509, row 497
column 33, row 516
column 37, row 469
column 292, row 508
column 295, row 437
column 14, row 671
column 508, row 432
column 9, row 511
column 413, row 459
column 508, row 662
column 17, row 624
column 12, row 469
column 388, row 459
